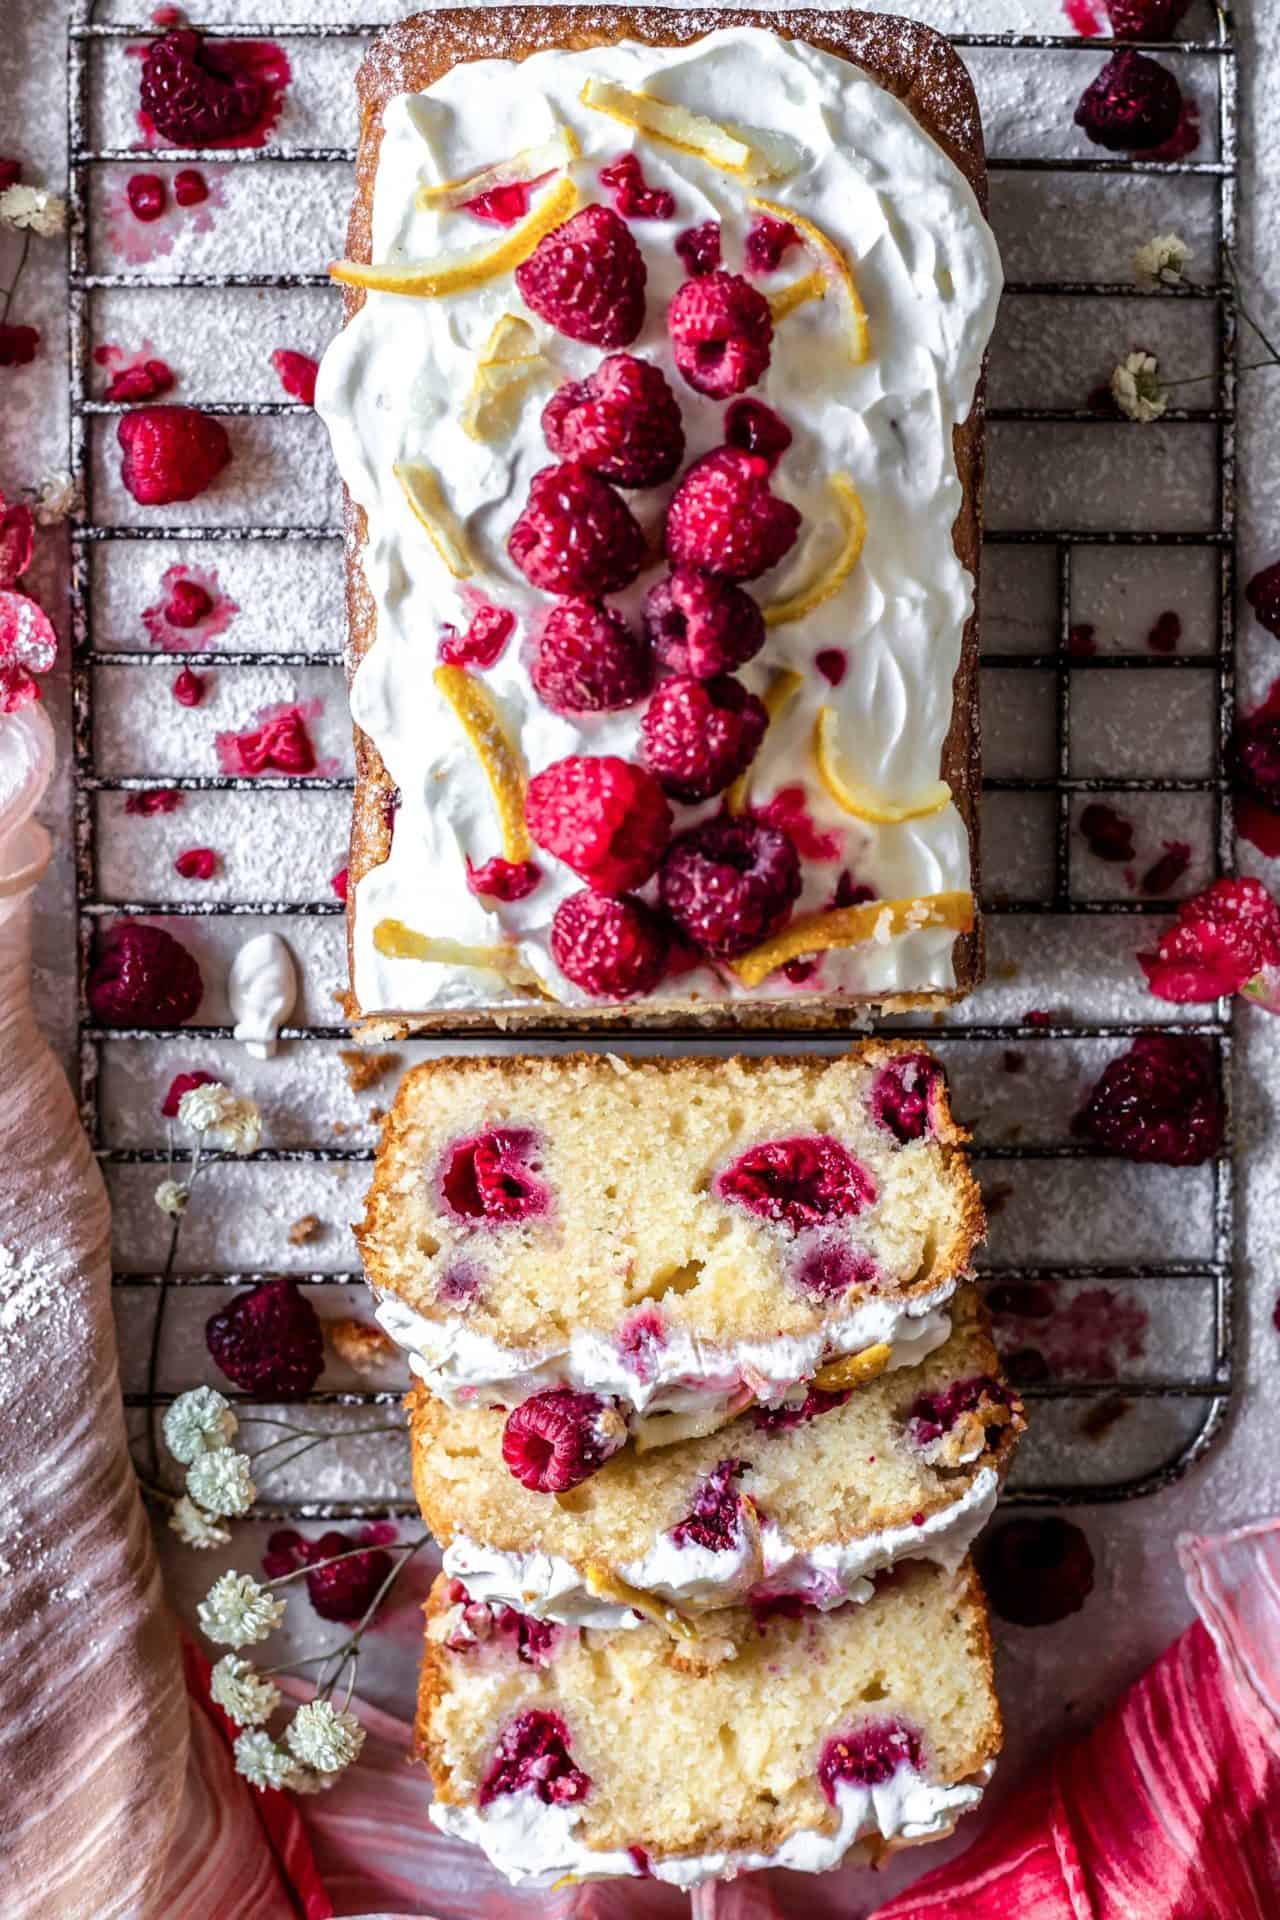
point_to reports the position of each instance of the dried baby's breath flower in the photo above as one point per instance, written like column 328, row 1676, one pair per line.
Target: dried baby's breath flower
column 1161, row 262
column 222, row 1482
column 34, row 209
column 242, row 1692
column 262, row 1761
column 221, row 1120
column 57, row 499
column 1136, row 389
column 171, row 1197
column 199, row 1422
column 203, row 1107
column 321, row 1736
column 196, row 1528
column 236, row 1611
column 307, row 1780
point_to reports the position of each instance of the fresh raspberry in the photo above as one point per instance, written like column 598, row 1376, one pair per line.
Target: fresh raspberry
column 197, row 863
column 1108, row 833
column 1145, row 19
column 1158, row 1102
column 699, row 248
column 170, row 453
column 699, row 624
column 1263, row 595
column 142, row 977
column 930, row 1415
column 297, row 373
column 754, row 428
column 588, row 660
column 556, row 1439
column 768, row 240
column 494, row 1177
column 533, row 1754
column 782, row 1419
column 1222, row 941
column 1133, row 104
column 499, row 879
column 191, row 103
column 188, row 604
column 1163, row 875
column 347, row 1589
column 484, row 640
column 575, row 536
column 728, row 884
column 697, row 736
column 184, row 1083
column 714, row 1521
column 904, row 1096
column 634, row 198
column 146, row 194
column 586, row 279
column 869, row 1755
column 1255, row 753
column 830, row 1269
column 1036, row 1571
column 604, row 817
column 189, row 688
column 18, row 345
column 612, row 948
column 788, row 810
column 799, row 1183
column 723, row 517
column 190, row 187
column 269, row 1341
column 623, row 421
column 721, row 330
column 144, row 382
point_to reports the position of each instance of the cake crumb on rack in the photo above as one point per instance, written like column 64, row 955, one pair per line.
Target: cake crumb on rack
column 363, row 1069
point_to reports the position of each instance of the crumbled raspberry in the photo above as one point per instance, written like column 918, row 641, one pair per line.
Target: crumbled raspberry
column 170, row 453
column 460, row 1282
column 1036, row 1571
column 623, row 421
column 699, row 248
column 701, row 625
column 197, row 863
column 347, row 1589
column 18, row 345
column 339, row 884
column 503, row 206
column 190, row 187
column 498, row 879
column 1145, row 19
column 556, row 1439
column 721, row 331
column 153, row 800
column 483, row 642
column 728, row 884
column 869, row 1755
column 575, row 535
column 142, row 977
column 604, row 817
column 1158, row 1102
column 790, row 1414
column 833, row 664
column 269, row 1341
column 17, row 542
column 1081, row 641
column 632, row 195
column 1131, row 105
column 714, row 1521
column 10, row 173
column 1223, row 939
column 768, row 241
column 1263, row 595
column 904, row 1095
column 189, row 688
column 18, row 688
column 188, row 604
column 281, row 744
column 930, row 1415
column 1163, row 875
column 612, row 948
column 532, row 1641
column 586, row 279
column 184, row 1083
column 641, row 1338
column 723, row 517
column 1255, row 753
column 297, row 373
column 798, row 1183
column 1108, row 833
column 146, row 381
column 1166, row 633
column 588, row 660
column 754, row 428
column 191, row 101
column 146, row 194
column 494, row 1177
column 850, row 893
column 788, row 810
column 532, row 1755
column 697, row 736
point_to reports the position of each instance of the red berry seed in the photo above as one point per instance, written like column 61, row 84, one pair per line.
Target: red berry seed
column 170, row 453
column 633, row 197
column 721, row 332
column 146, row 194
column 297, row 373
column 269, row 1341
column 611, row 948
column 1108, row 834
column 723, row 517
column 697, row 736
column 623, row 421
column 589, row 661
column 728, row 884
column 605, row 818
column 557, row 1439
column 587, row 279
column 701, row 625
column 575, row 535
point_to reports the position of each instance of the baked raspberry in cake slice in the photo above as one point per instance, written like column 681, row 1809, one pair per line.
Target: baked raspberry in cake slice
column 808, row 1499
column 607, row 1246
column 789, row 1738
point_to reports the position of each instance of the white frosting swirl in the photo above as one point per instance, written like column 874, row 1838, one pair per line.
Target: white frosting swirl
column 26, row 767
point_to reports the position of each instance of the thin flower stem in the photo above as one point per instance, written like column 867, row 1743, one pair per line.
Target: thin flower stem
column 278, row 1466
column 1196, row 379
column 316, row 1434
column 1245, row 315
column 282, row 1579
column 13, row 284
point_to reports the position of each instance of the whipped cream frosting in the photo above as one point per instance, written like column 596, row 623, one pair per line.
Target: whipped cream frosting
column 262, row 989
column 391, row 388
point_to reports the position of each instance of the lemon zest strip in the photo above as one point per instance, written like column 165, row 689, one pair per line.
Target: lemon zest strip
column 862, row 802
column 781, row 690
column 400, row 942
column 480, row 721
column 825, row 246
column 811, row 286
column 457, row 273
column 549, row 156
column 421, row 488
column 605, row 1586
column 873, row 920
column 853, row 1369
column 853, row 514
column 675, row 126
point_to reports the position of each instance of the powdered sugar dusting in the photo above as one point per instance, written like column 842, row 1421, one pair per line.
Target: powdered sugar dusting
column 31, row 1290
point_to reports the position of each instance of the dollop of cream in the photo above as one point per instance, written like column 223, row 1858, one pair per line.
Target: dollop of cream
column 26, row 767
column 262, row 990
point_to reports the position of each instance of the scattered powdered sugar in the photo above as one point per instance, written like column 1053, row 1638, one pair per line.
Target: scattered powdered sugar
column 31, row 1289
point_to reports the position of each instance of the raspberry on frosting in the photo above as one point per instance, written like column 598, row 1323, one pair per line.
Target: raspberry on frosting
column 755, row 428
column 613, row 948
column 588, row 660
column 697, row 736
column 697, row 623
column 634, row 198
column 555, row 1440
column 1132, row 105
column 142, row 976
column 721, row 333
column 269, row 1341
column 699, row 248
column 768, row 241
column 586, row 278
column 728, row 884
column 1263, row 595
column 170, row 453
column 575, row 535
column 623, row 421
column 723, row 517
column 1158, row 1102
column 484, row 641
column 497, row 879
column 605, row 818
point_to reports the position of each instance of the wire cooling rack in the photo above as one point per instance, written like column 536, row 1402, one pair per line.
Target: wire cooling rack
column 1205, row 1282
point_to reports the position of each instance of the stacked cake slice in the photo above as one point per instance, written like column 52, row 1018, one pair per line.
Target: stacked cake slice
column 707, row 1423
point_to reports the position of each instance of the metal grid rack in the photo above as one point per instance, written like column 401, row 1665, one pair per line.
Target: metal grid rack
column 1217, row 53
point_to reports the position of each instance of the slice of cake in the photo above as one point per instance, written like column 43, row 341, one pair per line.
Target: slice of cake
column 809, row 1498
column 590, row 1239
column 787, row 1739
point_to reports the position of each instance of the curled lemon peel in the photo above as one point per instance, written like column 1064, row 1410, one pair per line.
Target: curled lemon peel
column 854, row 1369
column 853, row 515
column 822, row 244
column 400, row 942
column 606, row 1586
column 861, row 801
column 675, row 126
column 507, row 362
column 811, row 286
column 779, row 694
column 548, row 156
column 458, row 272
column 873, row 920
column 421, row 488
column 480, row 721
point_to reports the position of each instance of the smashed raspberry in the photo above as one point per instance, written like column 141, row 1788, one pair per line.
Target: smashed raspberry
column 494, row 1177
column 156, row 800
column 832, row 663
column 904, row 1095
column 502, row 206
column 1166, row 633
column 575, row 535
column 18, row 345
column 188, row 604
column 170, row 453
column 605, row 818
column 297, row 373
column 701, row 625
column 142, row 977
column 714, row 1521
column 1223, row 939
column 1036, row 1571
column 146, row 194
column 532, row 1755
column 588, row 660
column 849, row 893
column 788, row 810
column 1263, row 595
column 610, row 947
column 483, row 1625
column 197, row 863
column 189, row 688
column 18, row 688
column 556, row 1439
column 634, row 198
column 497, row 879
column 721, row 332
column 146, row 381
column 930, row 1415
column 190, row 187
column 728, row 884
column 1255, row 753
column 623, row 421
column 641, row 1338
column 699, row 248
column 799, row 1183
column 339, row 884
column 697, row 736
column 723, row 517
column 347, row 1589
column 1145, row 19
column 768, row 240
column 184, row 1083
column 1133, row 104
column 1158, row 1102
column 1108, row 833
column 1081, row 639
column 282, row 744
column 755, row 428
column 189, row 101
column 830, row 1269
column 586, row 279
column 17, row 541
column 1163, row 875
column 869, row 1755
column 782, row 1419
column 269, row 1341
column 10, row 173
column 482, row 644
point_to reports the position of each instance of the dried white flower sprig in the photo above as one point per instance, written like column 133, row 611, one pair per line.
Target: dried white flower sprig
column 1136, row 385
column 31, row 209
